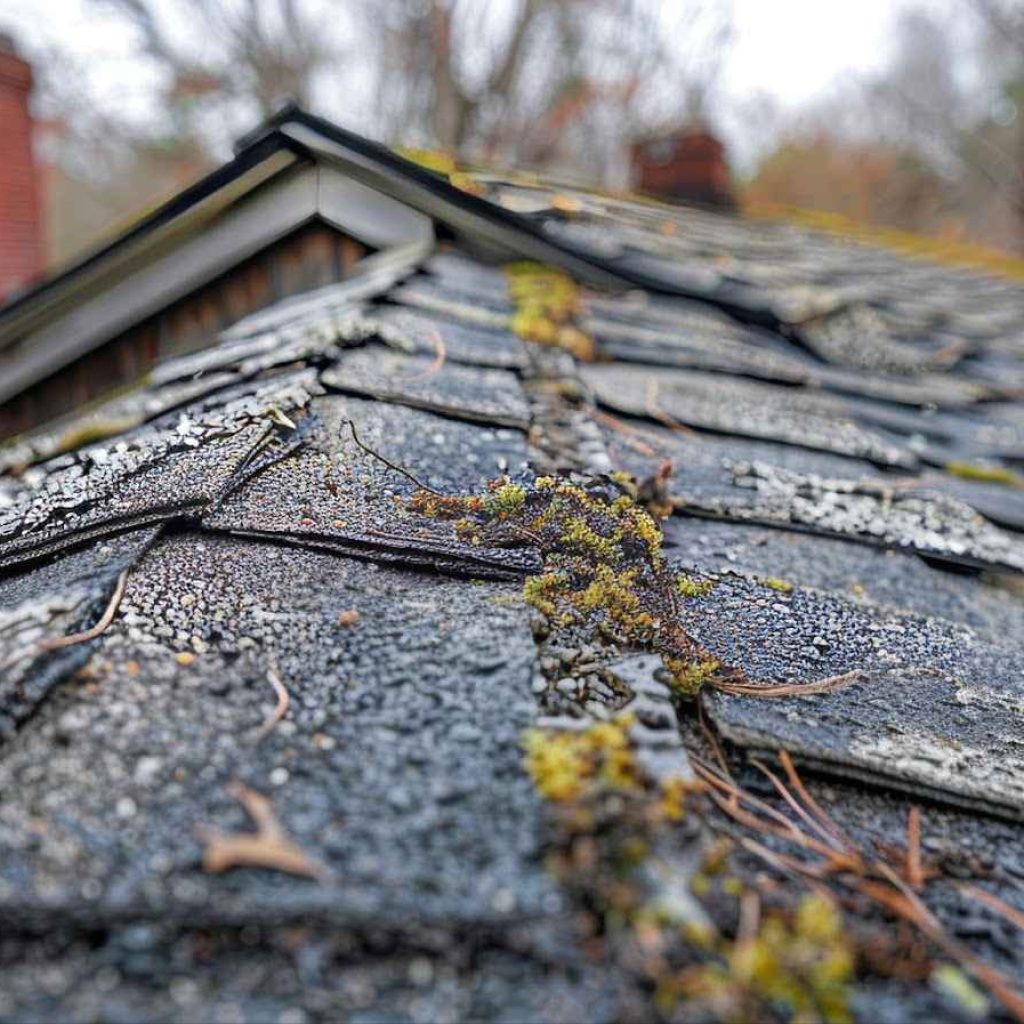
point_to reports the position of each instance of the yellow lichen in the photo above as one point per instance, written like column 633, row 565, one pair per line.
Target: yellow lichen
column 775, row 583
column 689, row 587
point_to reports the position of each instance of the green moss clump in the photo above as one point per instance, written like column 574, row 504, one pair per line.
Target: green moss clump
column 783, row 586
column 686, row 586
column 688, row 678
column 603, row 575
column 803, row 962
column 542, row 592
column 507, row 500
column 568, row 766
column 546, row 300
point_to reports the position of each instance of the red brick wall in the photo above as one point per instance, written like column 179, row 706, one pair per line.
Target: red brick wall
column 21, row 230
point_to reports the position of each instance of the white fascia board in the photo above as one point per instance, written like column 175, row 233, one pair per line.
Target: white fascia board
column 209, row 248
column 367, row 214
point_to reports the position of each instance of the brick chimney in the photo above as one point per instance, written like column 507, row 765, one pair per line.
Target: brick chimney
column 688, row 164
column 21, row 229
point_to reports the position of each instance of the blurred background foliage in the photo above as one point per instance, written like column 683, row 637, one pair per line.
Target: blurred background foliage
column 932, row 142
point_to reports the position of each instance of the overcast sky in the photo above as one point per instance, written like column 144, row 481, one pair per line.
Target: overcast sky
column 793, row 51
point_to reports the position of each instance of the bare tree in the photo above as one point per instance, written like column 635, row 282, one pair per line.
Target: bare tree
column 249, row 55
column 541, row 81
column 967, row 120
column 563, row 84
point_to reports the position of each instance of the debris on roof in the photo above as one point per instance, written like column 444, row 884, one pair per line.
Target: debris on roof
column 681, row 684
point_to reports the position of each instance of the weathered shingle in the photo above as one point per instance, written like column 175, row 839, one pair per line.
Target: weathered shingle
column 332, row 497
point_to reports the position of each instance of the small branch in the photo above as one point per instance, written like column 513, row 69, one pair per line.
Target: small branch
column 279, row 712
column 387, row 462
column 829, row 685
column 53, row 643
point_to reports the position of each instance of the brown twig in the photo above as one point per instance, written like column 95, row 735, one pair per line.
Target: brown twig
column 388, row 462
column 829, row 685
column 53, row 643
column 655, row 411
column 279, row 711
column 267, row 847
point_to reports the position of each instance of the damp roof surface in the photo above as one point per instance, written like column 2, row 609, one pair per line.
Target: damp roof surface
column 462, row 642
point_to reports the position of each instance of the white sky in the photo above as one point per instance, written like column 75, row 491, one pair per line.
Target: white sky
column 795, row 49
column 789, row 50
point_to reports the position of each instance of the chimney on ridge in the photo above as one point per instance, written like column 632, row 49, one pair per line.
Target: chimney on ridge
column 688, row 164
column 21, row 229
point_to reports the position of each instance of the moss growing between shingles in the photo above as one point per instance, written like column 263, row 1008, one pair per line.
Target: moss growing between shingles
column 688, row 678
column 607, row 816
column 687, row 586
column 985, row 474
column 546, row 301
column 604, row 575
column 801, row 964
column 609, row 820
column 569, row 766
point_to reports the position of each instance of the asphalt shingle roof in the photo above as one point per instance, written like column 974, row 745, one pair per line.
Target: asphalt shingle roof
column 255, row 504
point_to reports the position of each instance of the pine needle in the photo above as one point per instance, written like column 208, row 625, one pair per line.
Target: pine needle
column 279, row 712
column 439, row 357
column 387, row 462
column 829, row 685
column 53, row 643
column 655, row 411
column 915, row 872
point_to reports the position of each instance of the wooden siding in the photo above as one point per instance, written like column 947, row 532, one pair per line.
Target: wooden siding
column 313, row 256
